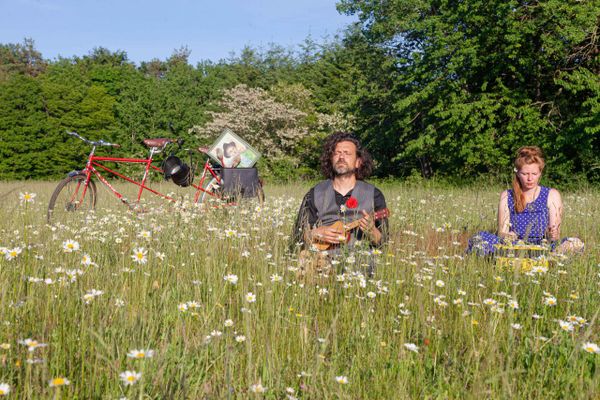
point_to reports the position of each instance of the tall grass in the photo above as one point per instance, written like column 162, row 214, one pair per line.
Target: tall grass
column 477, row 331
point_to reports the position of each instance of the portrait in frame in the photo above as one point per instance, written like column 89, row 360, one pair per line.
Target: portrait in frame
column 231, row 151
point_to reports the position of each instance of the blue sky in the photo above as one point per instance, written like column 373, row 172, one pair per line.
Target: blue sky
column 153, row 29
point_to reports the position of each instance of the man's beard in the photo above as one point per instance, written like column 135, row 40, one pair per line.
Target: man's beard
column 343, row 170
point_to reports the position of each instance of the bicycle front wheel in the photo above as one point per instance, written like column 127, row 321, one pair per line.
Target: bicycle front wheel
column 72, row 199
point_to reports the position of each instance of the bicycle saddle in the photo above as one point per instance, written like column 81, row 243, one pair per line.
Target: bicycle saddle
column 158, row 142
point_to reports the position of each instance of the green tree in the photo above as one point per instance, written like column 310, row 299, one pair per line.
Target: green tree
column 468, row 82
column 23, row 127
column 20, row 58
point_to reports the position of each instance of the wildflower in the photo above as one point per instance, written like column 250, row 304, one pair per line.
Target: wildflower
column 412, row 347
column 516, row 326
column 539, row 269
column 4, row 389
column 513, row 304
column 590, row 348
column 5, row 346
column 439, row 301
column 240, row 338
column 70, row 246
column 86, row 260
column 276, row 278
column 550, row 301
column 32, row 344
column 183, row 307
column 497, row 309
column 440, row 283
column 228, row 323
column 56, row 382
column 457, row 301
column 11, row 254
column 91, row 294
column 371, row 295
column 130, row 377
column 250, row 297
column 139, row 255
column 193, row 304
column 489, row 302
column 342, row 380
column 231, row 278
column 137, row 354
column 566, row 326
column 230, row 233
column 27, row 197
column 257, row 388
column 144, row 234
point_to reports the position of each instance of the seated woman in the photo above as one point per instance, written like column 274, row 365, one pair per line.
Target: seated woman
column 528, row 212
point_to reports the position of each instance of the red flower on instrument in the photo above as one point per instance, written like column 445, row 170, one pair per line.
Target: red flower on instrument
column 352, row 203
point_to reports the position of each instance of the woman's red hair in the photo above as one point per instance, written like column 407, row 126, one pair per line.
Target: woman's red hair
column 525, row 156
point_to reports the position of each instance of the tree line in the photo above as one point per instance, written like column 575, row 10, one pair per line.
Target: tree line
column 433, row 88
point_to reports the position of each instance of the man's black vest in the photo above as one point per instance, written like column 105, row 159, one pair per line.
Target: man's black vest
column 328, row 211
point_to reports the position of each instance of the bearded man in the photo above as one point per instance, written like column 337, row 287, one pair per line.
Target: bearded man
column 344, row 196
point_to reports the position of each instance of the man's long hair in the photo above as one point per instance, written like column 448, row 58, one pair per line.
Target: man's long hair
column 366, row 165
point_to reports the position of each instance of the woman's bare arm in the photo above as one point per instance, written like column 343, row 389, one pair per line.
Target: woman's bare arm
column 555, row 210
column 504, row 218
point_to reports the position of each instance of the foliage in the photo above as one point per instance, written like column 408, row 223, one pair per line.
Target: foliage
column 463, row 84
column 281, row 123
column 435, row 87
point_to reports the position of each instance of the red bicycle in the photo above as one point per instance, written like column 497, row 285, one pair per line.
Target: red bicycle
column 78, row 193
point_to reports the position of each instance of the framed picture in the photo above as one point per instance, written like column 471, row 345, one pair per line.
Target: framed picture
column 231, row 151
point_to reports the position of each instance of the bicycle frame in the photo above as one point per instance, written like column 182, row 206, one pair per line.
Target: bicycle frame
column 94, row 163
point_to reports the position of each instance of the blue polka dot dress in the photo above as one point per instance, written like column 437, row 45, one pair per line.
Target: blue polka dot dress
column 530, row 225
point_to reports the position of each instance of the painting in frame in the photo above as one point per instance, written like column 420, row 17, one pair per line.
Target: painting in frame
column 231, row 151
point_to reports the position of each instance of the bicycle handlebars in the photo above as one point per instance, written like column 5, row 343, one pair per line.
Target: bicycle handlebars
column 100, row 142
column 103, row 142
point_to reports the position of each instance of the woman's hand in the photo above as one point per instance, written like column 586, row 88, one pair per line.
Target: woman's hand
column 510, row 235
column 553, row 232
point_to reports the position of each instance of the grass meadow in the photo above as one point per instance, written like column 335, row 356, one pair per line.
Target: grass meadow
column 181, row 302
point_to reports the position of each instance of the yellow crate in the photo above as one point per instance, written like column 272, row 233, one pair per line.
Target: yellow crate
column 521, row 256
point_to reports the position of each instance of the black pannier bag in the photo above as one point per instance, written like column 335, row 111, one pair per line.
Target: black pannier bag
column 242, row 182
column 177, row 170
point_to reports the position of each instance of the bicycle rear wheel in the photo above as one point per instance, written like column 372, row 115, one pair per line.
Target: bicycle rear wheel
column 71, row 199
column 212, row 190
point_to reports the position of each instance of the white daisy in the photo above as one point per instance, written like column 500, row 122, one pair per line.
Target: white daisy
column 70, row 246
column 130, row 377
